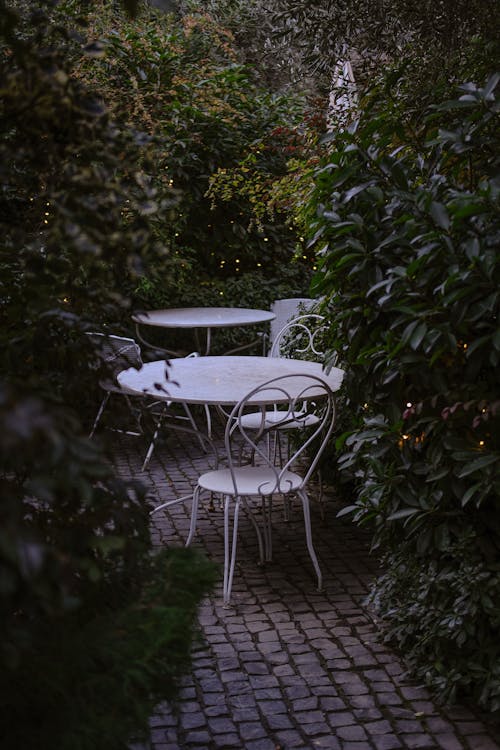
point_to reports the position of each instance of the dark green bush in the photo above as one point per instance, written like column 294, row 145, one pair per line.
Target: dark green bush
column 205, row 115
column 94, row 627
column 407, row 232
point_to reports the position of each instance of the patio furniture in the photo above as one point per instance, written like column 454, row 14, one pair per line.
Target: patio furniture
column 299, row 338
column 284, row 311
column 117, row 353
column 241, row 482
column 113, row 354
column 201, row 319
column 223, row 381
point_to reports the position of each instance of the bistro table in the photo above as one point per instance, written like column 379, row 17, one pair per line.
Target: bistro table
column 221, row 381
column 201, row 318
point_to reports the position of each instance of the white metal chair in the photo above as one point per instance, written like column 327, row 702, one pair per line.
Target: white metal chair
column 117, row 353
column 285, row 310
column 297, row 339
column 262, row 479
column 114, row 354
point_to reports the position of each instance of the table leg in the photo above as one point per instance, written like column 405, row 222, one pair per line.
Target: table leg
column 208, row 337
column 149, row 345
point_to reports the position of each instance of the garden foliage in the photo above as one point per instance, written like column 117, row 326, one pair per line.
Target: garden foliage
column 205, row 114
column 95, row 628
column 406, row 227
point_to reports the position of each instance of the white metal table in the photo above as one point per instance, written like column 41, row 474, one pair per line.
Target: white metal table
column 221, row 381
column 201, row 318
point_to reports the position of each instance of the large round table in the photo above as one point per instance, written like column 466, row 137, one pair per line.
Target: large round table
column 225, row 380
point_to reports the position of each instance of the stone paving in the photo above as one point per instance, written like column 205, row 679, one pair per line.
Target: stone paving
column 286, row 667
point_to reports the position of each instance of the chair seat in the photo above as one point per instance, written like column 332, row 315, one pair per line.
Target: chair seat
column 250, row 480
column 273, row 418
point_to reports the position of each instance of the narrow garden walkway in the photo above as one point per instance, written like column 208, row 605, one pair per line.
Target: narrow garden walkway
column 287, row 667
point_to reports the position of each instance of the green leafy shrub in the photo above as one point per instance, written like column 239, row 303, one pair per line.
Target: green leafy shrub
column 206, row 115
column 94, row 627
column 407, row 232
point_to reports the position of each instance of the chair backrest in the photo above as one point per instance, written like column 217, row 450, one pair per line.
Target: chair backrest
column 285, row 310
column 298, row 396
column 115, row 353
column 300, row 338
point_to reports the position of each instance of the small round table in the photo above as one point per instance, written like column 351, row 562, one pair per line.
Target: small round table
column 204, row 318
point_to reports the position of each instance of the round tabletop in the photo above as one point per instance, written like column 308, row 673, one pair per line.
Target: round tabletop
column 223, row 380
column 203, row 317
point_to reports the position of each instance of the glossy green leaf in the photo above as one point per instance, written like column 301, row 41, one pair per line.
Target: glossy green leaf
column 479, row 463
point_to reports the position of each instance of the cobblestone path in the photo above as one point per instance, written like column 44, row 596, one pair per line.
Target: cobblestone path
column 287, row 667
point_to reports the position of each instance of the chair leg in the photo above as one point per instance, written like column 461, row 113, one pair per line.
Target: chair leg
column 153, row 442
column 171, row 502
column 99, row 414
column 164, row 406
column 230, row 547
column 194, row 516
column 307, row 524
column 195, row 426
column 137, row 415
column 266, row 521
column 257, row 530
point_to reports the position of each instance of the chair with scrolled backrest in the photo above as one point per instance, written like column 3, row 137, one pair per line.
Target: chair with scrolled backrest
column 300, row 338
column 297, row 339
column 262, row 479
column 285, row 310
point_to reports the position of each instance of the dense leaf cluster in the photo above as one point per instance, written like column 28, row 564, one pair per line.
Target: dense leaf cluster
column 183, row 82
column 206, row 114
column 407, row 233
column 436, row 34
column 94, row 628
